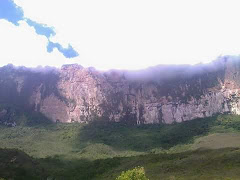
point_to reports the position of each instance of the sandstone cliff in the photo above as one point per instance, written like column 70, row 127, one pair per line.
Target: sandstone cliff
column 163, row 94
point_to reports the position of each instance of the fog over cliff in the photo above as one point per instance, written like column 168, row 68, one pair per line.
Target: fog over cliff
column 159, row 73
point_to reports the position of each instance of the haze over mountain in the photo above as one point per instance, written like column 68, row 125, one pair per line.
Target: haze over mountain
column 161, row 94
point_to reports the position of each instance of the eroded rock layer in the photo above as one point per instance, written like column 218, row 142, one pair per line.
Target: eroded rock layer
column 163, row 94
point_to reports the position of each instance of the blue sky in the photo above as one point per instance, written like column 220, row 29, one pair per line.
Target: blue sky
column 10, row 12
column 41, row 29
column 126, row 34
column 13, row 13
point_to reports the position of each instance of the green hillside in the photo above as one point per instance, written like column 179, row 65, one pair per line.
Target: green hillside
column 200, row 149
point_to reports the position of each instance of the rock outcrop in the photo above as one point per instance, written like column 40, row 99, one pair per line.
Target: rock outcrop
column 163, row 94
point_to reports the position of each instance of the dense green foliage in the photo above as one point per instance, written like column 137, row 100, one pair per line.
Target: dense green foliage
column 134, row 174
column 199, row 149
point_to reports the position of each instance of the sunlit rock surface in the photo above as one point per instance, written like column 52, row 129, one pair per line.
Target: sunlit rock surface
column 161, row 94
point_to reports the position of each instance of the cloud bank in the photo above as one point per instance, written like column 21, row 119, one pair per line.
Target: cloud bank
column 124, row 34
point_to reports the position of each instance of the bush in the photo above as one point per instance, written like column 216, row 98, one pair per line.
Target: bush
column 137, row 173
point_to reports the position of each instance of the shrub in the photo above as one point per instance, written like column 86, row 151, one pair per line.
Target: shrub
column 137, row 173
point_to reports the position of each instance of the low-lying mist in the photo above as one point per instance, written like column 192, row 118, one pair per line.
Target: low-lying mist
column 159, row 73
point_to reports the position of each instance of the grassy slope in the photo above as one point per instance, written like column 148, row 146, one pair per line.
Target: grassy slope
column 18, row 165
column 200, row 164
column 103, row 150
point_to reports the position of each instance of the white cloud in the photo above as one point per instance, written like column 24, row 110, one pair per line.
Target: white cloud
column 20, row 45
column 138, row 33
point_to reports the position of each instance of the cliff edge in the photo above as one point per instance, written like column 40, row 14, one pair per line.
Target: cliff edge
column 161, row 94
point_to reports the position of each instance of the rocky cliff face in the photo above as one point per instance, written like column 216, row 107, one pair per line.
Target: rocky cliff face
column 163, row 94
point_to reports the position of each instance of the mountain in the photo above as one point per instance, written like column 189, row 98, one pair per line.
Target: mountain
column 161, row 94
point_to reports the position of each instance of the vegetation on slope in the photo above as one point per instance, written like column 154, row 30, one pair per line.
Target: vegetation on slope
column 101, row 150
column 137, row 173
column 18, row 165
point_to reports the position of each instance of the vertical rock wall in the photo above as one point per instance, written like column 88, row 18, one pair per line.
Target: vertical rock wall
column 74, row 93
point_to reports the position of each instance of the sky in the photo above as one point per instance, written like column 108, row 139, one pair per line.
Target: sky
column 117, row 34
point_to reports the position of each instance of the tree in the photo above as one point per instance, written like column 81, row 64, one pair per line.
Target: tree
column 137, row 173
